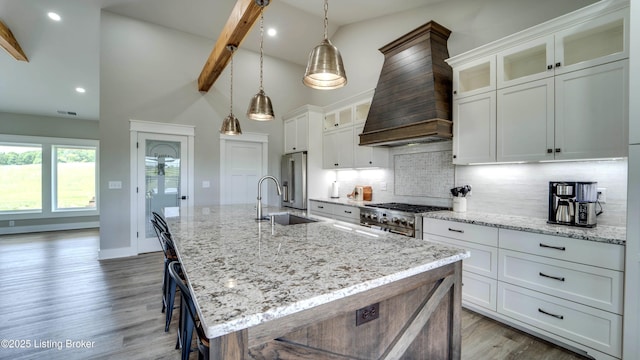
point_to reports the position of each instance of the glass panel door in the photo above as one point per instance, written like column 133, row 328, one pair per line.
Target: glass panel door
column 162, row 182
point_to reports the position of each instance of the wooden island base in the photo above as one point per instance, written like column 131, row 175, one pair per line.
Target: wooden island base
column 418, row 318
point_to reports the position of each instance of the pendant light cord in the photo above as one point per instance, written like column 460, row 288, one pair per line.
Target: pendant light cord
column 326, row 19
column 231, row 48
column 261, row 43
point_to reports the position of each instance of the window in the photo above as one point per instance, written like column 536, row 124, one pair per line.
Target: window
column 44, row 177
column 75, row 178
column 20, row 178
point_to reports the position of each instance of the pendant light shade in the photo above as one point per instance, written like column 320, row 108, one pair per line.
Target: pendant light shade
column 325, row 70
column 260, row 107
column 231, row 124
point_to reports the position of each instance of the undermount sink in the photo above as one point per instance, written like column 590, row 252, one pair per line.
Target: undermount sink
column 290, row 219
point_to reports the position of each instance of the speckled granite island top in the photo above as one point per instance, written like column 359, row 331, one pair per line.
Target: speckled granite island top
column 245, row 273
column 600, row 233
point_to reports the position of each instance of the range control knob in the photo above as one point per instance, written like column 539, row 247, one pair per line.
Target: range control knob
column 403, row 221
column 384, row 220
column 410, row 222
column 374, row 217
column 396, row 220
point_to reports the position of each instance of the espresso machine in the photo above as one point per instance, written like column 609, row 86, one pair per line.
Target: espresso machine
column 573, row 203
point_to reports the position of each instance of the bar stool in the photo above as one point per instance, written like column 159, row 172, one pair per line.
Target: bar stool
column 188, row 317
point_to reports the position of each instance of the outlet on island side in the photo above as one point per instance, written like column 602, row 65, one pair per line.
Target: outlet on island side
column 367, row 313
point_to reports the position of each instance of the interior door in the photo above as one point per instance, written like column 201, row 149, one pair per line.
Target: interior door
column 243, row 169
column 162, row 182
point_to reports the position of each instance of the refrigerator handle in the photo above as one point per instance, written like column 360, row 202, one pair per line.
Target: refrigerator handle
column 292, row 176
column 285, row 192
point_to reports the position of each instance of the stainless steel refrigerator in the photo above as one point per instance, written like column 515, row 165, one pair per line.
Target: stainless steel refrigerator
column 293, row 169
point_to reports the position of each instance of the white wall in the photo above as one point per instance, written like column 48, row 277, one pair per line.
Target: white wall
column 149, row 73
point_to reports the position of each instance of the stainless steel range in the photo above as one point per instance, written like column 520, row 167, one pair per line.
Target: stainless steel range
column 399, row 218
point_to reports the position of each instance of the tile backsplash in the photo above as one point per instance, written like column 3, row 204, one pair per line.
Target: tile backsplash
column 423, row 174
column 523, row 189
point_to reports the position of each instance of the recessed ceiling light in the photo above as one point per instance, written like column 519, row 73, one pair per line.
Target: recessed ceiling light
column 272, row 32
column 53, row 16
column 81, row 90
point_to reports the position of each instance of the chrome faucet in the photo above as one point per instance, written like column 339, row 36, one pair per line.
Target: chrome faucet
column 259, row 206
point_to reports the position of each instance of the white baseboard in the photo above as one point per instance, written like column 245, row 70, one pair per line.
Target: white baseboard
column 48, row 227
column 104, row 254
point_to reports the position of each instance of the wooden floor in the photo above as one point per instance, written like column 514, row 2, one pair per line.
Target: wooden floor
column 59, row 302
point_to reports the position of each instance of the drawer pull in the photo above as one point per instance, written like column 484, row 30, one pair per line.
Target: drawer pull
column 456, row 230
column 320, row 207
column 552, row 277
column 550, row 314
column 347, row 211
column 561, row 248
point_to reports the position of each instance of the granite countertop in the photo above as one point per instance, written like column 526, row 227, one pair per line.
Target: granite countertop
column 244, row 272
column 601, row 233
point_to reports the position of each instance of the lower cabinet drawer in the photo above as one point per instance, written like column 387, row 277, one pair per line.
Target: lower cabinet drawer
column 479, row 290
column 591, row 327
column 461, row 231
column 321, row 208
column 588, row 285
column 483, row 260
column 345, row 212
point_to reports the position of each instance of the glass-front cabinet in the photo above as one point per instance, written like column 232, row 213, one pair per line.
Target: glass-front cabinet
column 475, row 77
column 338, row 119
column 587, row 44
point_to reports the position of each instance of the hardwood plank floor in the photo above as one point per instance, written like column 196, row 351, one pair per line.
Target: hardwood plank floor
column 55, row 290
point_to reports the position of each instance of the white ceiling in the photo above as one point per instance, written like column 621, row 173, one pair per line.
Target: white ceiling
column 65, row 55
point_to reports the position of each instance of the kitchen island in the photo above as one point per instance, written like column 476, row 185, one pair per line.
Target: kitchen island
column 324, row 289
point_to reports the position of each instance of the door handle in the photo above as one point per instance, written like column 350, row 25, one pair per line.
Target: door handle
column 183, row 197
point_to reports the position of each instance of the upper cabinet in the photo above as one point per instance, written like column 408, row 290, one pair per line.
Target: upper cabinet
column 560, row 91
column 338, row 119
column 587, row 44
column 296, row 133
column 341, row 140
column 475, row 77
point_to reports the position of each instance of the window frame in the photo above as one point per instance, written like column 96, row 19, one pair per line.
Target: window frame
column 48, row 190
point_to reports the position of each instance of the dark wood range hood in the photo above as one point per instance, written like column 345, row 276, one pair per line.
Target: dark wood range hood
column 412, row 101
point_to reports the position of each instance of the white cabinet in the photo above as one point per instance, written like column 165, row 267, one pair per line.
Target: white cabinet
column 595, row 42
column 338, row 119
column 474, row 77
column 567, row 290
column 346, row 213
column 474, row 129
column 591, row 112
column 337, row 149
column 368, row 156
column 480, row 270
column 296, row 133
column 341, row 140
column 561, row 87
column 525, row 122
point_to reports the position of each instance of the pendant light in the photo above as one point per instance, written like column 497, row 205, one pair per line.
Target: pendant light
column 231, row 125
column 325, row 70
column 260, row 107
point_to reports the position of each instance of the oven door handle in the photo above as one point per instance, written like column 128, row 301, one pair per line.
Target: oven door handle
column 400, row 232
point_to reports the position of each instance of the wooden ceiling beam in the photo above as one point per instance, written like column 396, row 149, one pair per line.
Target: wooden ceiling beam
column 244, row 14
column 9, row 43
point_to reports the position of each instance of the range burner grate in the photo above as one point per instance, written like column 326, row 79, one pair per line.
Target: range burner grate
column 408, row 207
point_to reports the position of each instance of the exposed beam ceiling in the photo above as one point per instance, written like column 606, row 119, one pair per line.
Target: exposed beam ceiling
column 9, row 43
column 244, row 14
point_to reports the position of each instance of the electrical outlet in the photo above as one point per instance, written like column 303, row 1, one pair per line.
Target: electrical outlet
column 602, row 195
column 12, row 223
column 367, row 313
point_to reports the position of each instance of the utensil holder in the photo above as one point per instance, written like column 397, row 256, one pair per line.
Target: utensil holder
column 459, row 204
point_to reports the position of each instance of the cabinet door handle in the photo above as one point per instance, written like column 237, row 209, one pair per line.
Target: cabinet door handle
column 561, row 248
column 558, row 64
column 549, row 151
column 558, row 150
column 552, row 277
column 455, row 156
column 294, row 148
column 550, row 314
column 456, row 230
column 549, row 67
column 455, row 92
column 335, row 124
